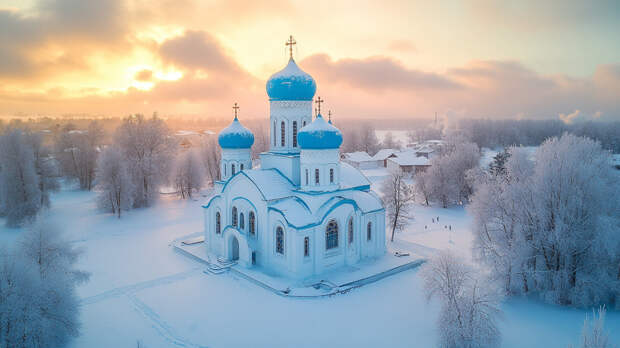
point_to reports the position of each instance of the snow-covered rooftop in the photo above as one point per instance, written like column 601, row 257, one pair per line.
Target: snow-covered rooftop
column 359, row 156
column 384, row 153
column 410, row 159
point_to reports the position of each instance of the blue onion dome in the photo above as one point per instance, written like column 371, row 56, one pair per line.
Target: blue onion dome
column 319, row 135
column 236, row 136
column 291, row 83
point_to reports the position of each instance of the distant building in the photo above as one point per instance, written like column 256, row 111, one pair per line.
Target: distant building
column 408, row 162
column 382, row 156
column 360, row 160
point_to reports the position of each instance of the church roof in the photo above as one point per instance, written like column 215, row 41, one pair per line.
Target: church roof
column 319, row 135
column 236, row 136
column 291, row 83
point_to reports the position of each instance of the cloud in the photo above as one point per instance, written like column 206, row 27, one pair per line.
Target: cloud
column 374, row 73
column 56, row 35
column 403, row 46
column 198, row 50
column 144, row 75
column 570, row 118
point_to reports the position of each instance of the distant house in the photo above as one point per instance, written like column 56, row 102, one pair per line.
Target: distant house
column 408, row 162
column 382, row 156
column 425, row 151
column 360, row 160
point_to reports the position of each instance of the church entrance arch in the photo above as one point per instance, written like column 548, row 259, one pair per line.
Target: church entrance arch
column 234, row 249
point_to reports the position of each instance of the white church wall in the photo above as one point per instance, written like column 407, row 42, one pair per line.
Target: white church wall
column 299, row 111
column 241, row 159
column 324, row 161
column 287, row 164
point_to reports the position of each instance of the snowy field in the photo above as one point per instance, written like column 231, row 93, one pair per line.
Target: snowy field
column 141, row 289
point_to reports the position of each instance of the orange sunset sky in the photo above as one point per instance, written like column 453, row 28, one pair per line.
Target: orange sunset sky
column 518, row 59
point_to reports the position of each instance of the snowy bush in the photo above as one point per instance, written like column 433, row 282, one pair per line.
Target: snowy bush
column 38, row 303
column 551, row 225
column 469, row 302
column 114, row 185
column 593, row 334
column 147, row 146
column 188, row 173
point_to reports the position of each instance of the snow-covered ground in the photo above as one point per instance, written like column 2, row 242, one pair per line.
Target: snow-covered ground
column 141, row 289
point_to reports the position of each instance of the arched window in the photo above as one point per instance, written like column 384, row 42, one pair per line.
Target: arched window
column 232, row 169
column 304, row 123
column 306, row 176
column 282, row 133
column 331, row 175
column 369, row 231
column 218, row 223
column 224, row 169
column 234, row 216
column 294, row 133
column 241, row 221
column 252, row 223
column 306, row 246
column 280, row 240
column 350, row 230
column 331, row 235
column 241, row 168
column 316, row 176
column 274, row 133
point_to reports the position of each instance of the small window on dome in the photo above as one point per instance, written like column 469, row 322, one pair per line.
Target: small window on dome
column 241, row 168
column 232, row 169
column 316, row 176
column 331, row 175
column 294, row 133
column 274, row 134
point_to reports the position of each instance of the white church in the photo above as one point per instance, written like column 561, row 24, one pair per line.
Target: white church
column 302, row 212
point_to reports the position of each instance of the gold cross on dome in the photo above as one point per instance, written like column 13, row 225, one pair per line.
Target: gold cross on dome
column 290, row 43
column 318, row 102
column 236, row 108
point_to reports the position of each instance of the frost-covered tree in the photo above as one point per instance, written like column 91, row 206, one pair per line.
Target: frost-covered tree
column 38, row 303
column 46, row 167
column 469, row 302
column 19, row 182
column 77, row 151
column 550, row 226
column 389, row 142
column 211, row 155
column 115, row 186
column 188, row 174
column 368, row 139
column 447, row 176
column 147, row 146
column 422, row 185
column 397, row 197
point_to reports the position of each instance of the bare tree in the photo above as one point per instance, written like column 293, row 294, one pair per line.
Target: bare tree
column 397, row 197
column 469, row 302
column 389, row 142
